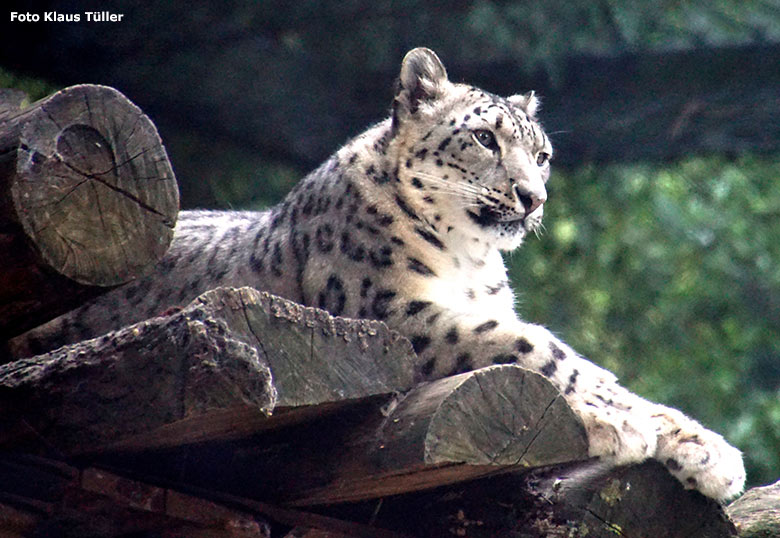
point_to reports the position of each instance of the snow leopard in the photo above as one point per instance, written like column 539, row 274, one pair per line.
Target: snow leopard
column 406, row 224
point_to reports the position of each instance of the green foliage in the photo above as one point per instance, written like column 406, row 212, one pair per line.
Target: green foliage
column 33, row 87
column 669, row 276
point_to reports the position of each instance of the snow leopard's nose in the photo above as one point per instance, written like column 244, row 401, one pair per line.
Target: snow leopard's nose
column 531, row 200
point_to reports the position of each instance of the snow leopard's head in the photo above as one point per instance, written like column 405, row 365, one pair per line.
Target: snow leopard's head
column 469, row 161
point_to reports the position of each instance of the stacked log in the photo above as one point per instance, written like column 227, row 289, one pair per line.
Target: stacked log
column 88, row 201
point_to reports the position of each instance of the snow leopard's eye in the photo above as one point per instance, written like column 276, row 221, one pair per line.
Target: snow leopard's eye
column 542, row 158
column 486, row 138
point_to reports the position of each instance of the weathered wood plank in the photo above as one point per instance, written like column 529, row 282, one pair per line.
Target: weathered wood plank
column 88, row 200
column 489, row 421
column 450, row 430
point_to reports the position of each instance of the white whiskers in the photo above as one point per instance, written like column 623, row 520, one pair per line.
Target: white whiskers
column 470, row 195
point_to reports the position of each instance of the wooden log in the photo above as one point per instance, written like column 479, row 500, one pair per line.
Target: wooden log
column 203, row 517
column 88, row 200
column 479, row 423
column 314, row 357
column 36, row 493
column 323, row 525
column 757, row 513
column 16, row 523
column 148, row 380
column 579, row 499
column 29, row 487
column 450, row 430
column 213, row 370
column 307, row 532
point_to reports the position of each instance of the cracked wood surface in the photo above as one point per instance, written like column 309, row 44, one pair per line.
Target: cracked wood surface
column 210, row 374
column 214, row 370
column 494, row 420
column 156, row 382
column 88, row 200
column 474, row 424
column 314, row 358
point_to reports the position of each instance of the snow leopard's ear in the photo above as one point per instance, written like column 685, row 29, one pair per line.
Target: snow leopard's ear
column 528, row 102
column 422, row 79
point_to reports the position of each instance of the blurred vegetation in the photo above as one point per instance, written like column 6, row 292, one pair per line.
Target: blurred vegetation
column 34, row 88
column 667, row 273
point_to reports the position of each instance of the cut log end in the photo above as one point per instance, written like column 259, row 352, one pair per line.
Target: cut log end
column 480, row 423
column 314, row 357
column 505, row 415
column 93, row 187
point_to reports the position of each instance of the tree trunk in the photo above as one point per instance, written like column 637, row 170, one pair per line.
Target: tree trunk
column 490, row 421
column 314, row 357
column 88, row 200
column 474, row 424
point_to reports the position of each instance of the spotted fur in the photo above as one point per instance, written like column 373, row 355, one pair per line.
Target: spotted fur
column 404, row 224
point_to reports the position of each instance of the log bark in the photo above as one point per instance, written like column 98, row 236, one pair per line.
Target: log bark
column 146, row 381
column 40, row 495
column 214, row 370
column 757, row 513
column 454, row 429
column 314, row 358
column 88, row 200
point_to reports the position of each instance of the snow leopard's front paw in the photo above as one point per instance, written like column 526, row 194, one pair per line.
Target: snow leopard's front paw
column 697, row 457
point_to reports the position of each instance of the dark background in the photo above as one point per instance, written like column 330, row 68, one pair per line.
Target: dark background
column 661, row 257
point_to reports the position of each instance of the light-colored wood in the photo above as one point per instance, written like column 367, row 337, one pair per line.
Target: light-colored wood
column 490, row 421
column 314, row 357
column 88, row 200
column 214, row 370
